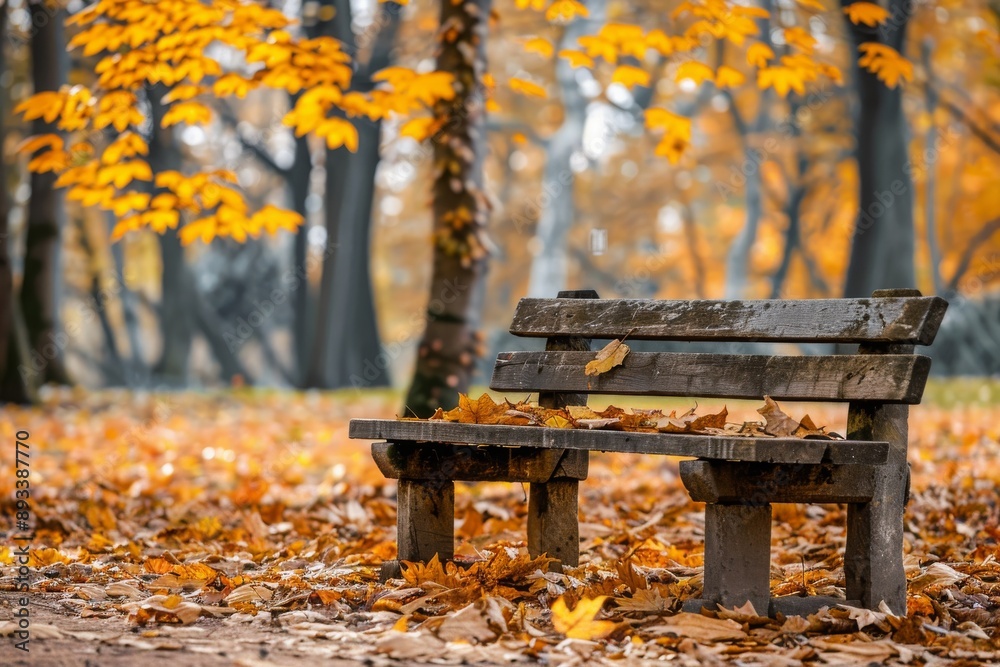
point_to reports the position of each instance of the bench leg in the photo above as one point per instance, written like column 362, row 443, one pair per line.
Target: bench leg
column 425, row 519
column 873, row 562
column 553, row 526
column 738, row 555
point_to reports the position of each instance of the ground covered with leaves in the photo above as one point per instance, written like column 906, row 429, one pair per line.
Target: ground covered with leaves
column 245, row 528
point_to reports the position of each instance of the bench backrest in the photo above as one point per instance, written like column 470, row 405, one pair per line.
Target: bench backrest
column 885, row 370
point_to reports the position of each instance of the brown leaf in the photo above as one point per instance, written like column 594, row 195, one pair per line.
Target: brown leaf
column 777, row 423
column 610, row 356
column 711, row 421
column 700, row 628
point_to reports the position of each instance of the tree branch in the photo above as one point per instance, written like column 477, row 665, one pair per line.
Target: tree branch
column 254, row 147
column 980, row 237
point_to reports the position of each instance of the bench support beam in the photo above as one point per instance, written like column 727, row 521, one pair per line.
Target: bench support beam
column 738, row 555
column 553, row 525
column 425, row 519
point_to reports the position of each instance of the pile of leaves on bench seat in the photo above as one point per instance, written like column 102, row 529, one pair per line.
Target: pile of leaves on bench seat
column 484, row 410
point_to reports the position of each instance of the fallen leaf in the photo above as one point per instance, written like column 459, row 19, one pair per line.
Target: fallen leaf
column 700, row 628
column 579, row 622
column 777, row 423
column 611, row 355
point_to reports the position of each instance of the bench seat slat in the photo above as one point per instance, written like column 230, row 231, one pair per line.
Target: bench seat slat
column 768, row 450
column 895, row 378
column 913, row 320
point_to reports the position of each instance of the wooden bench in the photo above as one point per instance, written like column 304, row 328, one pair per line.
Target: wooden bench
column 737, row 478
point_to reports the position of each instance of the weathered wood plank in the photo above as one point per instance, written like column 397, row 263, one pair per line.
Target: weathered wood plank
column 553, row 522
column 729, row 482
column 772, row 450
column 873, row 561
column 885, row 319
column 409, row 460
column 890, row 378
column 738, row 555
column 559, row 399
column 425, row 519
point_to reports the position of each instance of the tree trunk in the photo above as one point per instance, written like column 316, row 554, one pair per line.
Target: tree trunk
column 346, row 348
column 299, row 179
column 447, row 352
column 354, row 347
column 40, row 284
column 177, row 286
column 930, row 184
column 882, row 252
column 12, row 386
column 738, row 257
column 550, row 266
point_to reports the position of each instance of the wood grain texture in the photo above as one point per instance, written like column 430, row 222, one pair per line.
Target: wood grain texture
column 773, row 450
column 912, row 320
column 728, row 482
column 401, row 460
column 553, row 522
column 890, row 378
column 738, row 555
column 425, row 520
column 873, row 560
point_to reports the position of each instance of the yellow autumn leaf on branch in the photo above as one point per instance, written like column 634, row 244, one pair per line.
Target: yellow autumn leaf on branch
column 694, row 70
column 233, row 84
column 782, row 79
column 537, row 5
column 39, row 141
column 271, row 219
column 433, row 86
column 564, row 11
column 203, row 229
column 580, row 623
column 758, row 54
column 128, row 144
column 526, row 87
column 192, row 113
column 627, row 38
column 800, row 38
column 130, row 224
column 55, row 160
column 130, row 201
column 599, row 47
column 628, row 76
column 539, row 45
column 124, row 173
column 417, row 128
column 161, row 220
column 727, row 77
column 183, row 92
column 576, row 58
column 45, row 105
column 338, row 132
column 886, row 63
column 867, row 13
column 677, row 132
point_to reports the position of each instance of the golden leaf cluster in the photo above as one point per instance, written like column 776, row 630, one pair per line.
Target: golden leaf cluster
column 142, row 47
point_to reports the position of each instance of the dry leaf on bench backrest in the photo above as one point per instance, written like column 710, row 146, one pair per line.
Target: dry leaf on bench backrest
column 610, row 356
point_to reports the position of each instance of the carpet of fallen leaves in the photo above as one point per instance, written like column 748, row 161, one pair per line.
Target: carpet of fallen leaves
column 245, row 528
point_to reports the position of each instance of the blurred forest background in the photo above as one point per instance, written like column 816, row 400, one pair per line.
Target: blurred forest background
column 577, row 193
